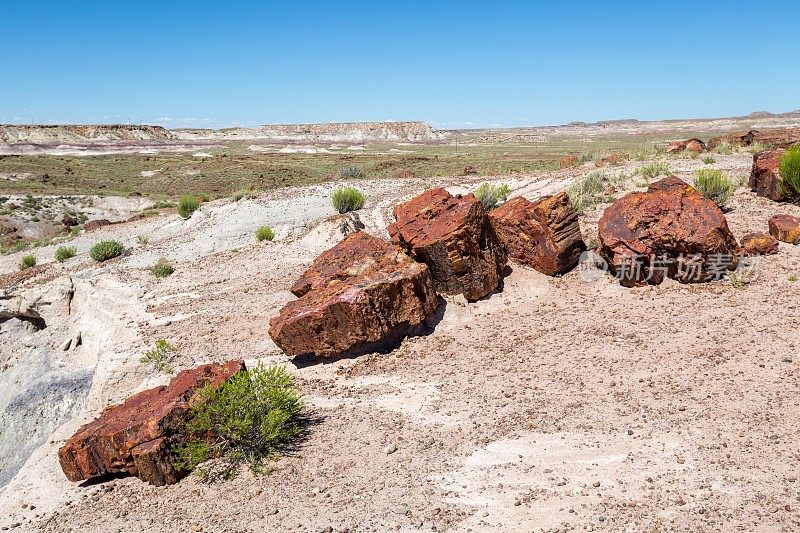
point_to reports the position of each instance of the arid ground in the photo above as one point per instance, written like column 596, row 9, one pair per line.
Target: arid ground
column 554, row 404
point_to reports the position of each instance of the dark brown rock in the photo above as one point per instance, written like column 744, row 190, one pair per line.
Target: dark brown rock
column 70, row 221
column 670, row 230
column 453, row 236
column 759, row 244
column 135, row 436
column 96, row 224
column 469, row 170
column 785, row 228
column 693, row 145
column 361, row 292
column 544, row 234
column 765, row 177
column 740, row 138
column 779, row 138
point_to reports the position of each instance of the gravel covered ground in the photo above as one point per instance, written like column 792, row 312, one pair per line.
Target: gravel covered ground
column 553, row 404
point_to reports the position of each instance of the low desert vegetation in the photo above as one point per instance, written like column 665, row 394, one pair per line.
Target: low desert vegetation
column 159, row 357
column 792, row 277
column 346, row 199
column 247, row 420
column 187, row 205
column 724, row 148
column 790, row 172
column 27, row 262
column 587, row 191
column 105, row 250
column 65, row 252
column 709, row 160
column 352, row 173
column 265, row 233
column 492, row 195
column 653, row 170
column 243, row 194
column 162, row 268
column 143, row 240
column 714, row 185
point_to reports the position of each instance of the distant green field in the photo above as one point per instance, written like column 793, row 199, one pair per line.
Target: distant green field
column 234, row 167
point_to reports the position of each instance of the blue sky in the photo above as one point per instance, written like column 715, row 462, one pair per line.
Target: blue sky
column 451, row 63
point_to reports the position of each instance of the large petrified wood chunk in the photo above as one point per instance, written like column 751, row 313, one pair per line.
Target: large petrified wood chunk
column 670, row 230
column 135, row 436
column 361, row 291
column 785, row 228
column 453, row 236
column 765, row 179
column 544, row 234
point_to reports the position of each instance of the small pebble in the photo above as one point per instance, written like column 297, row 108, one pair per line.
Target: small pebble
column 391, row 448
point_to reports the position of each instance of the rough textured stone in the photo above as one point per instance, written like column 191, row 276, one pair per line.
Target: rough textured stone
column 781, row 137
column 135, row 436
column 765, row 177
column 96, row 224
column 693, row 145
column 785, row 228
column 453, row 236
column 609, row 161
column 759, row 244
column 568, row 161
column 360, row 292
column 544, row 234
column 669, row 230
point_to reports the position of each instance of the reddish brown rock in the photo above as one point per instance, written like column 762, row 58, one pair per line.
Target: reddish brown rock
column 693, row 145
column 740, row 138
column 96, row 224
column 135, row 436
column 453, row 236
column 360, row 292
column 404, row 173
column 670, row 230
column 759, row 244
column 469, row 170
column 781, row 137
column 568, row 161
column 612, row 160
column 70, row 222
column 765, row 177
column 135, row 217
column 785, row 228
column 544, row 234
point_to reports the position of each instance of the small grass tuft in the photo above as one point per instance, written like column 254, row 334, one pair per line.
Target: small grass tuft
column 714, row 185
column 492, row 195
column 247, row 420
column 187, row 205
column 65, row 252
column 27, row 262
column 709, row 160
column 790, row 172
column 792, row 277
column 265, row 233
column 653, row 170
column 143, row 240
column 162, row 268
column 724, row 148
column 346, row 199
column 243, row 194
column 159, row 356
column 105, row 250
column 352, row 173
column 587, row 191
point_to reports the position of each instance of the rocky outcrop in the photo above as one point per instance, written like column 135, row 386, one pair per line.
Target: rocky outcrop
column 135, row 436
column 544, row 234
column 92, row 225
column 454, row 237
column 670, row 230
column 692, row 145
column 758, row 244
column 329, row 132
column 781, row 137
column 765, row 177
column 785, row 228
column 80, row 134
column 609, row 161
column 360, row 292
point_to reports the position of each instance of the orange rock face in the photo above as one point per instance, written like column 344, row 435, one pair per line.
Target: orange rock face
column 361, row 291
column 693, row 145
column 135, row 436
column 544, row 234
column 670, row 230
column 785, row 228
column 765, row 177
column 759, row 244
column 453, row 236
column 568, row 161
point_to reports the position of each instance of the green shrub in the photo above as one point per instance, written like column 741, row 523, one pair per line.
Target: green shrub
column 708, row 160
column 27, row 262
column 724, row 148
column 352, row 173
column 265, row 233
column 653, row 170
column 491, row 195
column 143, row 240
column 159, row 356
column 162, row 268
column 105, row 250
column 587, row 191
column 790, row 172
column 714, row 185
column 244, row 194
column 245, row 421
column 187, row 205
column 346, row 199
column 65, row 252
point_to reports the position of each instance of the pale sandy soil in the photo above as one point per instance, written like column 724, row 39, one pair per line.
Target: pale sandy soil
column 553, row 404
